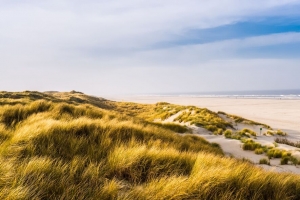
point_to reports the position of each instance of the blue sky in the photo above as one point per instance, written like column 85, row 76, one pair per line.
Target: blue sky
column 239, row 30
column 130, row 46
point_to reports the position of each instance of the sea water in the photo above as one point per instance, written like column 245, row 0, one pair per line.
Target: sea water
column 259, row 94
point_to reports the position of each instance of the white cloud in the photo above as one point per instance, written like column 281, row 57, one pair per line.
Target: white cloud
column 123, row 24
column 51, row 38
column 195, row 55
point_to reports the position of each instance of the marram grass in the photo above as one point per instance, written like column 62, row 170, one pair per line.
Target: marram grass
column 54, row 149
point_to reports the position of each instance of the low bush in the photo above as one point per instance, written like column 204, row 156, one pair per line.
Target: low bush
column 264, row 161
column 211, row 128
column 270, row 133
column 294, row 160
column 219, row 131
column 228, row 133
column 259, row 151
column 284, row 160
column 250, row 145
column 248, row 131
column 277, row 153
column 281, row 133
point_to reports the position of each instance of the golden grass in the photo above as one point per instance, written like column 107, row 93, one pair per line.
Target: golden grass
column 54, row 149
column 239, row 119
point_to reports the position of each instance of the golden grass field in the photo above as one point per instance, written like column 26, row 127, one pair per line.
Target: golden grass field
column 74, row 146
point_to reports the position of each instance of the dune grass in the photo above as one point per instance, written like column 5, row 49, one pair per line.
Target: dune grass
column 239, row 135
column 264, row 161
column 288, row 142
column 201, row 117
column 205, row 118
column 275, row 133
column 285, row 156
column 173, row 127
column 239, row 119
column 250, row 145
column 54, row 149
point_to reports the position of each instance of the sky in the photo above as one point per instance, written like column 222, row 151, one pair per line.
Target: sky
column 137, row 47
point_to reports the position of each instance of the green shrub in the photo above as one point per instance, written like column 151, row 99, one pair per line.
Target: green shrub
column 211, row 128
column 259, row 151
column 220, row 131
column 277, row 154
column 270, row 132
column 250, row 145
column 270, row 154
column 264, row 161
column 294, row 160
column 286, row 154
column 281, row 133
column 236, row 137
column 265, row 149
column 228, row 133
column 248, row 131
column 284, row 160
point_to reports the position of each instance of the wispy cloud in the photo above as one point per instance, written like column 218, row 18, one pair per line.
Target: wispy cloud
column 60, row 36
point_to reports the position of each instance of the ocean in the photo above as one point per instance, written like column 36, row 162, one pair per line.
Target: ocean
column 259, row 94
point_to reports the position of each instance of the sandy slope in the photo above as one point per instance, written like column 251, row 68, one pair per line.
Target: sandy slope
column 234, row 148
column 283, row 114
column 279, row 114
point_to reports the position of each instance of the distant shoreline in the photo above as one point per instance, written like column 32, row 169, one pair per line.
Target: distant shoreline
column 284, row 97
column 263, row 94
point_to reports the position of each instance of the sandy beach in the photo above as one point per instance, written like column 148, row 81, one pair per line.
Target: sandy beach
column 279, row 114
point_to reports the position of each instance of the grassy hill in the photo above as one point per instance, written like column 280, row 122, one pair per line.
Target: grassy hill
column 74, row 146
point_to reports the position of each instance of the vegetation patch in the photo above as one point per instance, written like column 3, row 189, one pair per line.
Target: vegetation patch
column 278, row 132
column 288, row 142
column 285, row 156
column 250, row 145
column 55, row 147
column 239, row 119
column 239, row 135
column 205, row 118
column 173, row 127
column 264, row 161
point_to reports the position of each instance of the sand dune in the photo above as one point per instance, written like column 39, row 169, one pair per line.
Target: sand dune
column 279, row 114
column 282, row 114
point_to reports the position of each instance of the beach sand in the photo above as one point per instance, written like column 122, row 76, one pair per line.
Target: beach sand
column 279, row 114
